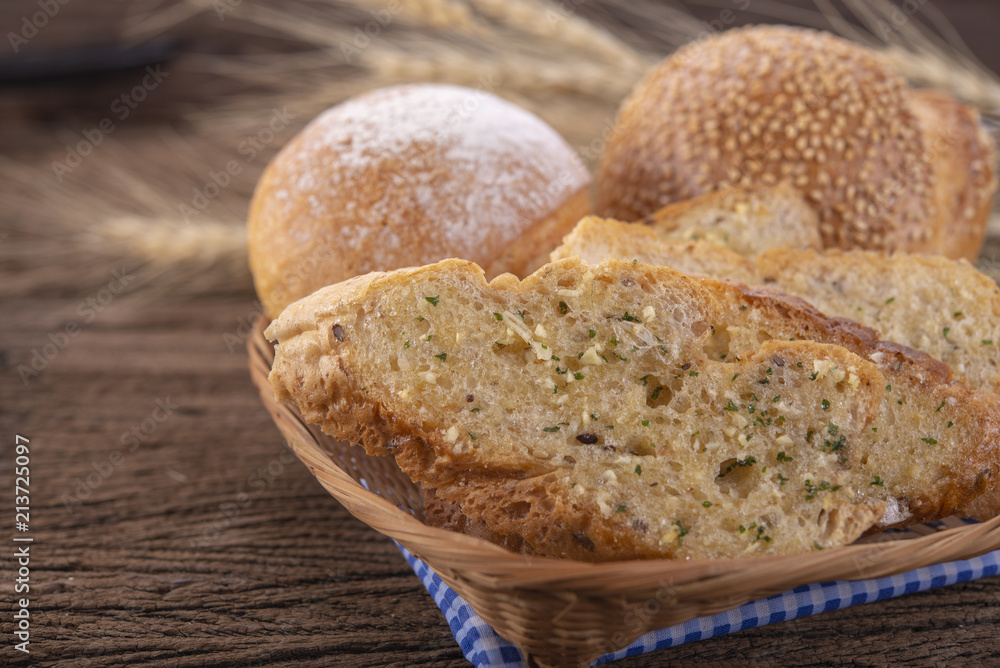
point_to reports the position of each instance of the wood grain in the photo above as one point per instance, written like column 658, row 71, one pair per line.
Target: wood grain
column 208, row 543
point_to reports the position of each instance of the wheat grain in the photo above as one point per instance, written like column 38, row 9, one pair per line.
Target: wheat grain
column 508, row 71
column 561, row 24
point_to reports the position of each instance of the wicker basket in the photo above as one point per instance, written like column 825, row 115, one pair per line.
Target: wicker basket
column 563, row 612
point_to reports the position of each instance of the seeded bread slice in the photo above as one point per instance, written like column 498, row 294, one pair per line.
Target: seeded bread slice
column 934, row 439
column 941, row 306
column 621, row 411
column 744, row 219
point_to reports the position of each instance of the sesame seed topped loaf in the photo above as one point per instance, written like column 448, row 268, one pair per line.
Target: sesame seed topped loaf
column 744, row 219
column 884, row 166
column 625, row 410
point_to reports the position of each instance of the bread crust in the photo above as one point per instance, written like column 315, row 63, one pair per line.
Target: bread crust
column 963, row 159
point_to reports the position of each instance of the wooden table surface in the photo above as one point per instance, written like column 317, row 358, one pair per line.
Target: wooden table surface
column 172, row 526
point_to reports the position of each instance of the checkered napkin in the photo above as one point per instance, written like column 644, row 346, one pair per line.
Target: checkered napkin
column 483, row 647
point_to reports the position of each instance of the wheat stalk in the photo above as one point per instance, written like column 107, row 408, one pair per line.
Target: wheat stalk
column 507, row 72
column 170, row 246
column 451, row 15
column 926, row 58
column 935, row 70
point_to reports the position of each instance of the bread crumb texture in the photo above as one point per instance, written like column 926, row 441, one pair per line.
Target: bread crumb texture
column 745, row 219
column 624, row 410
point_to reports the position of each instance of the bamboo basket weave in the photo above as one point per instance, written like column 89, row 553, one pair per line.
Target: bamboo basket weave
column 564, row 612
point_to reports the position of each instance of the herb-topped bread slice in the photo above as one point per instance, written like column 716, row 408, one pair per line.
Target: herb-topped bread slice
column 941, row 306
column 618, row 411
column 933, row 442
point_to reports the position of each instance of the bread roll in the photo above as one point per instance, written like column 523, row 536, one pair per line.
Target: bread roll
column 766, row 104
column 410, row 175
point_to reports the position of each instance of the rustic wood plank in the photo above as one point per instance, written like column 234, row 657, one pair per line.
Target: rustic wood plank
column 207, row 543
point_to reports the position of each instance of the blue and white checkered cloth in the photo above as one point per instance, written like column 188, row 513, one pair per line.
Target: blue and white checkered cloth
column 483, row 647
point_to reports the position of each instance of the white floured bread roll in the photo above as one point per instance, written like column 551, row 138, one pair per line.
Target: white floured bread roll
column 407, row 176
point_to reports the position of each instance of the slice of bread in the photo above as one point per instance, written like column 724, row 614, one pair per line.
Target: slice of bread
column 745, row 219
column 595, row 239
column 625, row 410
column 941, row 306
